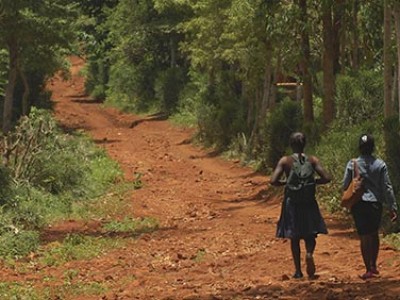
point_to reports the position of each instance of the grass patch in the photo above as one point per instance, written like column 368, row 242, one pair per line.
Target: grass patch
column 132, row 225
column 19, row 291
column 200, row 255
column 393, row 240
column 107, row 206
column 17, row 244
column 77, row 247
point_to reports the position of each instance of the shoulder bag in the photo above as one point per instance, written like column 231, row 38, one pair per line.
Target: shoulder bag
column 355, row 190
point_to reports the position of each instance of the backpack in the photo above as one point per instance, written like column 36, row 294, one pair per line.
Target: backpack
column 300, row 185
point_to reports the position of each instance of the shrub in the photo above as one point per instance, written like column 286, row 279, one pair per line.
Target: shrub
column 359, row 97
column 168, row 85
column 44, row 172
column 281, row 123
column 18, row 243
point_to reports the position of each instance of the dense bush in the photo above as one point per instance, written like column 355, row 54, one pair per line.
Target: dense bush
column 18, row 244
column 131, row 87
column 392, row 143
column 96, row 75
column 359, row 97
column 168, row 87
column 283, row 121
column 45, row 171
column 392, row 139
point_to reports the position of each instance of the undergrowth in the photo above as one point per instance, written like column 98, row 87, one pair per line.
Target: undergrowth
column 45, row 172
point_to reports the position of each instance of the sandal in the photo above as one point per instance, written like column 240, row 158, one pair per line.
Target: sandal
column 374, row 271
column 367, row 275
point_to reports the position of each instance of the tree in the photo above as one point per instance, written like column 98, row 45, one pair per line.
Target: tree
column 387, row 61
column 328, row 63
column 396, row 13
column 305, row 64
column 144, row 53
column 32, row 32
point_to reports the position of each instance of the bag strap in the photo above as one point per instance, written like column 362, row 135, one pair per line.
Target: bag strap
column 356, row 172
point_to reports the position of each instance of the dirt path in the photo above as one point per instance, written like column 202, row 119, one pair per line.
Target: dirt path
column 217, row 221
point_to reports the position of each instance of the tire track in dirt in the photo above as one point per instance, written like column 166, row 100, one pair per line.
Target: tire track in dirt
column 217, row 221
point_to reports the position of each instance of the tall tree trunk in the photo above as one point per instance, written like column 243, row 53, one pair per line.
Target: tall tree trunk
column 256, row 121
column 387, row 61
column 328, row 57
column 263, row 102
column 10, row 87
column 356, row 41
column 172, row 46
column 396, row 13
column 338, row 13
column 308, row 110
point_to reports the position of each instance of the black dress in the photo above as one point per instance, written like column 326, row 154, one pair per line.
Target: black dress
column 299, row 219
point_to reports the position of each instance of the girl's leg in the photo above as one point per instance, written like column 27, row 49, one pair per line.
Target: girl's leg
column 295, row 247
column 310, row 247
column 366, row 252
column 310, row 244
column 374, row 252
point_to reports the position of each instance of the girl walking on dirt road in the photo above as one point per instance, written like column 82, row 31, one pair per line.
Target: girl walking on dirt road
column 300, row 215
column 367, row 213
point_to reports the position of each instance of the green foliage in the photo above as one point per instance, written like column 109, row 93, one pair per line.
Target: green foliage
column 18, row 243
column 55, row 162
column 26, row 291
column 44, row 32
column 96, row 78
column 392, row 140
column 45, row 171
column 76, row 247
column 392, row 146
column 110, row 204
column 3, row 70
column 192, row 97
column 144, row 59
column 281, row 123
column 393, row 240
column 18, row 291
column 131, row 225
column 359, row 97
column 220, row 113
column 168, row 87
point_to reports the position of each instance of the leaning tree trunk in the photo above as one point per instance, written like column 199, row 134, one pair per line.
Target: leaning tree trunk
column 387, row 61
column 25, row 97
column 328, row 71
column 10, row 87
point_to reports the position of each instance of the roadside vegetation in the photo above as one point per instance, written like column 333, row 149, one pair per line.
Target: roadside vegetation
column 46, row 175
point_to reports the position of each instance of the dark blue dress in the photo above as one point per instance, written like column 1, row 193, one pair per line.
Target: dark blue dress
column 299, row 219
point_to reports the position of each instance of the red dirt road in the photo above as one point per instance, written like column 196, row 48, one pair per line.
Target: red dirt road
column 217, row 221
